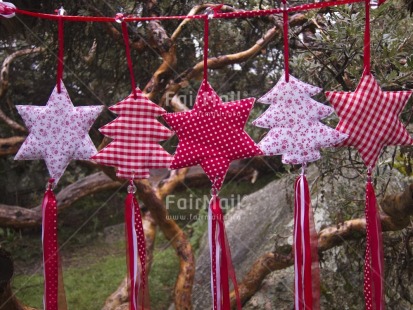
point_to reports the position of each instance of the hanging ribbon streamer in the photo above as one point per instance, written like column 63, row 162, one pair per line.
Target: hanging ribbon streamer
column 306, row 268
column 54, row 296
column 286, row 46
column 135, row 252
column 374, row 260
column 221, row 263
column 60, row 53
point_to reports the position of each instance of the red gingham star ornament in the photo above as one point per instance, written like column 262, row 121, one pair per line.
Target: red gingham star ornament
column 370, row 117
column 293, row 118
column 136, row 133
column 212, row 134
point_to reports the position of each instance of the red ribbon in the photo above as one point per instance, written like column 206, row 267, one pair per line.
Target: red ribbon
column 60, row 53
column 374, row 261
column 206, row 34
column 136, row 248
column 307, row 274
column 221, row 262
column 239, row 14
column 367, row 49
column 286, row 47
column 52, row 271
column 127, row 49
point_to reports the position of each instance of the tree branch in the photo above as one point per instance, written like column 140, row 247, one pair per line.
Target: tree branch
column 10, row 146
column 5, row 68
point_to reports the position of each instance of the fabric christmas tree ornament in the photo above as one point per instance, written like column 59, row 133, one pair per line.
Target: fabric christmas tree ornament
column 135, row 150
column 293, row 117
column 297, row 134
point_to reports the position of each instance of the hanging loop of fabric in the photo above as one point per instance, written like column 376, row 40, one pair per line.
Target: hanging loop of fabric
column 285, row 37
column 367, row 48
column 206, row 34
column 119, row 19
column 60, row 53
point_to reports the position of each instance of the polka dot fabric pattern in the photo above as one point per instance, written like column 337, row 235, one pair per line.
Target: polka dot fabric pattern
column 293, row 118
column 212, row 134
column 136, row 133
column 370, row 117
column 58, row 132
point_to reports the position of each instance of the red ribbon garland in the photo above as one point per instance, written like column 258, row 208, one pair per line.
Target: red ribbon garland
column 221, row 262
column 54, row 297
column 307, row 279
column 374, row 261
column 136, row 248
column 240, row 14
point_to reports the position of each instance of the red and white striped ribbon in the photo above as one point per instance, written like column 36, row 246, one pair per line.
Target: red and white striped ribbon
column 135, row 252
column 221, row 263
column 374, row 260
column 306, row 269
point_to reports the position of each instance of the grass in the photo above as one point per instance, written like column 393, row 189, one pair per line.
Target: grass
column 87, row 287
column 94, row 268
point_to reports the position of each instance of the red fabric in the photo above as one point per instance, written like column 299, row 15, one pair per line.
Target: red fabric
column 51, row 269
column 128, row 57
column 370, row 117
column 307, row 284
column 240, row 14
column 60, row 53
column 212, row 134
column 7, row 9
column 367, row 47
column 374, row 261
column 136, row 133
column 136, row 254
column 286, row 46
column 221, row 292
column 206, row 35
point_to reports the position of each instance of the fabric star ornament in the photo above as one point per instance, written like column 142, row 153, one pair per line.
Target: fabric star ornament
column 293, row 118
column 370, row 117
column 136, row 133
column 212, row 134
column 58, row 132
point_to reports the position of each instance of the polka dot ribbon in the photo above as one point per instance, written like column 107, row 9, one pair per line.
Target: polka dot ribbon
column 221, row 264
column 374, row 261
column 135, row 252
column 54, row 297
column 306, row 267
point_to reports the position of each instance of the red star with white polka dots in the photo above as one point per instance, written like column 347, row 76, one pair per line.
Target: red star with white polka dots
column 212, row 134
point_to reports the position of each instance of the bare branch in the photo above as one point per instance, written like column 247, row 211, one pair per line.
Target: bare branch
column 5, row 68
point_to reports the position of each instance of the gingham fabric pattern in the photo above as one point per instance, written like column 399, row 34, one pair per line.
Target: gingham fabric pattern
column 58, row 132
column 293, row 118
column 136, row 134
column 212, row 134
column 370, row 117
